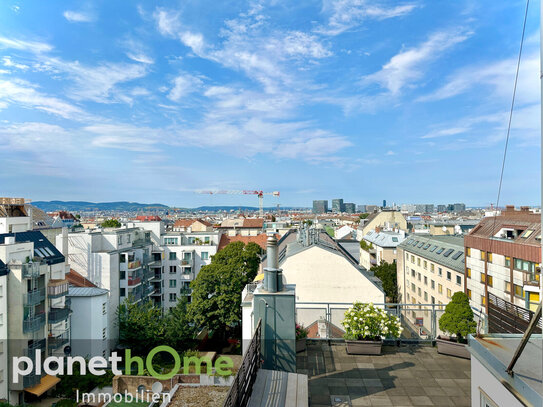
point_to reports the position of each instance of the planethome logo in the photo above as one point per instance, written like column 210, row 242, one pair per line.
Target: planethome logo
column 97, row 365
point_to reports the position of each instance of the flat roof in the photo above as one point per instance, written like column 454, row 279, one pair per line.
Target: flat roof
column 495, row 352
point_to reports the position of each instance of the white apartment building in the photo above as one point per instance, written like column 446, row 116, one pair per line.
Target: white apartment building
column 430, row 269
column 121, row 261
column 184, row 254
column 33, row 295
column 89, row 321
column 380, row 246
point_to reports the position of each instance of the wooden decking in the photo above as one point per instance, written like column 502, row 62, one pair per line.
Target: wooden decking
column 274, row 388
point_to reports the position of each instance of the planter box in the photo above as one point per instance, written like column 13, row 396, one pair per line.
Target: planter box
column 364, row 347
column 447, row 347
column 301, row 345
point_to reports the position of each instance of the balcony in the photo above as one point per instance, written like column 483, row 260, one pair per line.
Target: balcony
column 31, row 380
column 532, row 279
column 57, row 288
column 33, row 323
column 149, row 274
column 133, row 265
column 185, row 291
column 57, row 341
column 32, row 298
column 157, row 291
column 133, row 282
column 186, row 262
column 141, row 241
column 59, row 314
column 156, row 277
column 29, row 270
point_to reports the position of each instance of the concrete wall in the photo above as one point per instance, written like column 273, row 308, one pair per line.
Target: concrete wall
column 87, row 323
column 4, row 374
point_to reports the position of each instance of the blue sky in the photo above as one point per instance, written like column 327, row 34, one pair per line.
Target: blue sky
column 366, row 100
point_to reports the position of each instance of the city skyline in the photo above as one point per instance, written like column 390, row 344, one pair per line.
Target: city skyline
column 404, row 102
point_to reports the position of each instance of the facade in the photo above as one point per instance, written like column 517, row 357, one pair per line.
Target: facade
column 503, row 257
column 386, row 220
column 192, row 225
column 380, row 246
column 424, row 208
column 349, row 207
column 122, row 261
column 320, row 206
column 337, row 206
column 242, row 226
column 430, row 270
column 89, row 321
column 34, row 310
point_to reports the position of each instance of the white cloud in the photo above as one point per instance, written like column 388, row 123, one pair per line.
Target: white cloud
column 183, row 85
column 7, row 61
column 34, row 136
column 347, row 14
column 445, row 132
column 31, row 46
column 136, row 51
column 124, row 136
column 410, row 64
column 78, row 16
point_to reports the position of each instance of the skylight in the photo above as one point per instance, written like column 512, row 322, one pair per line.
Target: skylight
column 448, row 252
column 420, row 244
column 456, row 255
column 440, row 250
column 427, row 246
column 433, row 248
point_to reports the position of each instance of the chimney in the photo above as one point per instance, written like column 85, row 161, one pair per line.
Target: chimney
column 525, row 209
column 509, row 208
column 273, row 277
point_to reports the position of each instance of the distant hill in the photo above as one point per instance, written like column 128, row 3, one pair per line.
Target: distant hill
column 240, row 208
column 79, row 206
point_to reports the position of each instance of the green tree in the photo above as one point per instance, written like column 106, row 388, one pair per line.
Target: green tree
column 179, row 332
column 216, row 291
column 111, row 223
column 363, row 215
column 141, row 326
column 386, row 272
column 330, row 231
column 365, row 245
column 458, row 317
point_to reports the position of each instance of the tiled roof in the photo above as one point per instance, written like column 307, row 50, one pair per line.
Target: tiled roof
column 148, row 218
column 445, row 250
column 86, row 291
column 77, row 280
column 183, row 223
column 42, row 246
column 260, row 240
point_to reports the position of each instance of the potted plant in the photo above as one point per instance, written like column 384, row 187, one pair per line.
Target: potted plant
column 301, row 336
column 457, row 321
column 366, row 325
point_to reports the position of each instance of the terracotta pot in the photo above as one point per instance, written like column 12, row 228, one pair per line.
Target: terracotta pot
column 447, row 347
column 364, row 347
column 301, row 345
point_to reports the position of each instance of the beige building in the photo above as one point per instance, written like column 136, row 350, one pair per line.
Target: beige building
column 192, row 225
column 430, row 270
column 379, row 246
column 242, row 227
column 383, row 220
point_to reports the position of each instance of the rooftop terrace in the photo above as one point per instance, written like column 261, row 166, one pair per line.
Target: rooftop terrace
column 402, row 376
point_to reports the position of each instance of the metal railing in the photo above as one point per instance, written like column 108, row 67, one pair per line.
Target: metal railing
column 240, row 391
column 56, row 341
column 33, row 323
column 58, row 314
column 28, row 270
column 420, row 321
column 34, row 297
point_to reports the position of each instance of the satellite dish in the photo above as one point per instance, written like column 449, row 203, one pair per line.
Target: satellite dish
column 156, row 387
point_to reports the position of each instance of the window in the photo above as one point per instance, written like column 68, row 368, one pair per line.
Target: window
column 441, row 249
column 205, row 255
column 173, row 297
column 433, row 284
column 483, row 300
column 433, row 300
column 173, row 283
column 206, row 240
column 122, row 274
column 425, row 280
column 432, row 267
column 433, row 248
column 412, row 273
column 518, row 291
column 123, row 292
column 128, row 238
column 440, row 288
column 459, row 280
column 412, row 259
column 412, row 287
column 507, row 287
column 104, row 308
column 419, row 276
column 468, row 272
column 468, row 251
column 439, row 271
column 173, row 255
column 483, row 255
column 120, row 239
column 524, row 265
column 486, row 401
column 407, row 256
column 122, row 258
column 449, row 275
column 170, row 241
column 173, row 269
column 427, row 246
column 104, row 334
column 507, row 261
column 527, row 234
column 457, row 255
column 418, row 261
column 425, row 296
column 449, row 293
column 469, row 293
column 425, row 265
column 448, row 253
column 490, row 281
column 419, row 291
column 489, row 256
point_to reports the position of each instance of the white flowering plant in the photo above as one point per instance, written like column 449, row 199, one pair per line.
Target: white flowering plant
column 366, row 321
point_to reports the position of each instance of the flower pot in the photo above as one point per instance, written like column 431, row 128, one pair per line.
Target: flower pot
column 446, row 346
column 301, row 345
column 364, row 347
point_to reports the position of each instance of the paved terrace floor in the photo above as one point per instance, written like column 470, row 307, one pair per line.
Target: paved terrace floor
column 402, row 376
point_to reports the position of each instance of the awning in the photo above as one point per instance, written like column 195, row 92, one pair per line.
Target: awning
column 259, row 277
column 47, row 382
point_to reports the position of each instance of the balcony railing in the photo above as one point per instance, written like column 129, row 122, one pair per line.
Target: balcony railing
column 149, row 274
column 31, row 380
column 34, row 297
column 142, row 241
column 185, row 291
column 29, row 270
column 59, row 314
column 134, row 265
column 186, row 262
column 33, row 323
column 57, row 288
column 533, row 279
column 133, row 281
column 56, row 341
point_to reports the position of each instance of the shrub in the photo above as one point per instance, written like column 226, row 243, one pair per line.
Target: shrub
column 301, row 332
column 457, row 320
column 366, row 321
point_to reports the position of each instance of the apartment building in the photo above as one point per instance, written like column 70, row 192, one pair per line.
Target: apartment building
column 430, row 270
column 122, row 261
column 242, row 227
column 192, row 225
column 184, row 254
column 503, row 258
column 385, row 220
column 380, row 246
column 33, row 307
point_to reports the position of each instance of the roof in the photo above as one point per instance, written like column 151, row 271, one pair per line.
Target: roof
column 254, row 223
column 183, row 223
column 445, row 250
column 148, row 218
column 352, row 247
column 77, row 280
column 384, row 238
column 260, row 240
column 42, row 246
column 86, row 291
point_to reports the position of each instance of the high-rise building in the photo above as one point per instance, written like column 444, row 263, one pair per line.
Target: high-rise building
column 337, row 205
column 320, row 206
column 361, row 208
column 349, row 207
column 459, row 207
column 442, row 208
column 384, row 203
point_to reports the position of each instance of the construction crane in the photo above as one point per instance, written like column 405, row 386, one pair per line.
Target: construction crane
column 260, row 195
